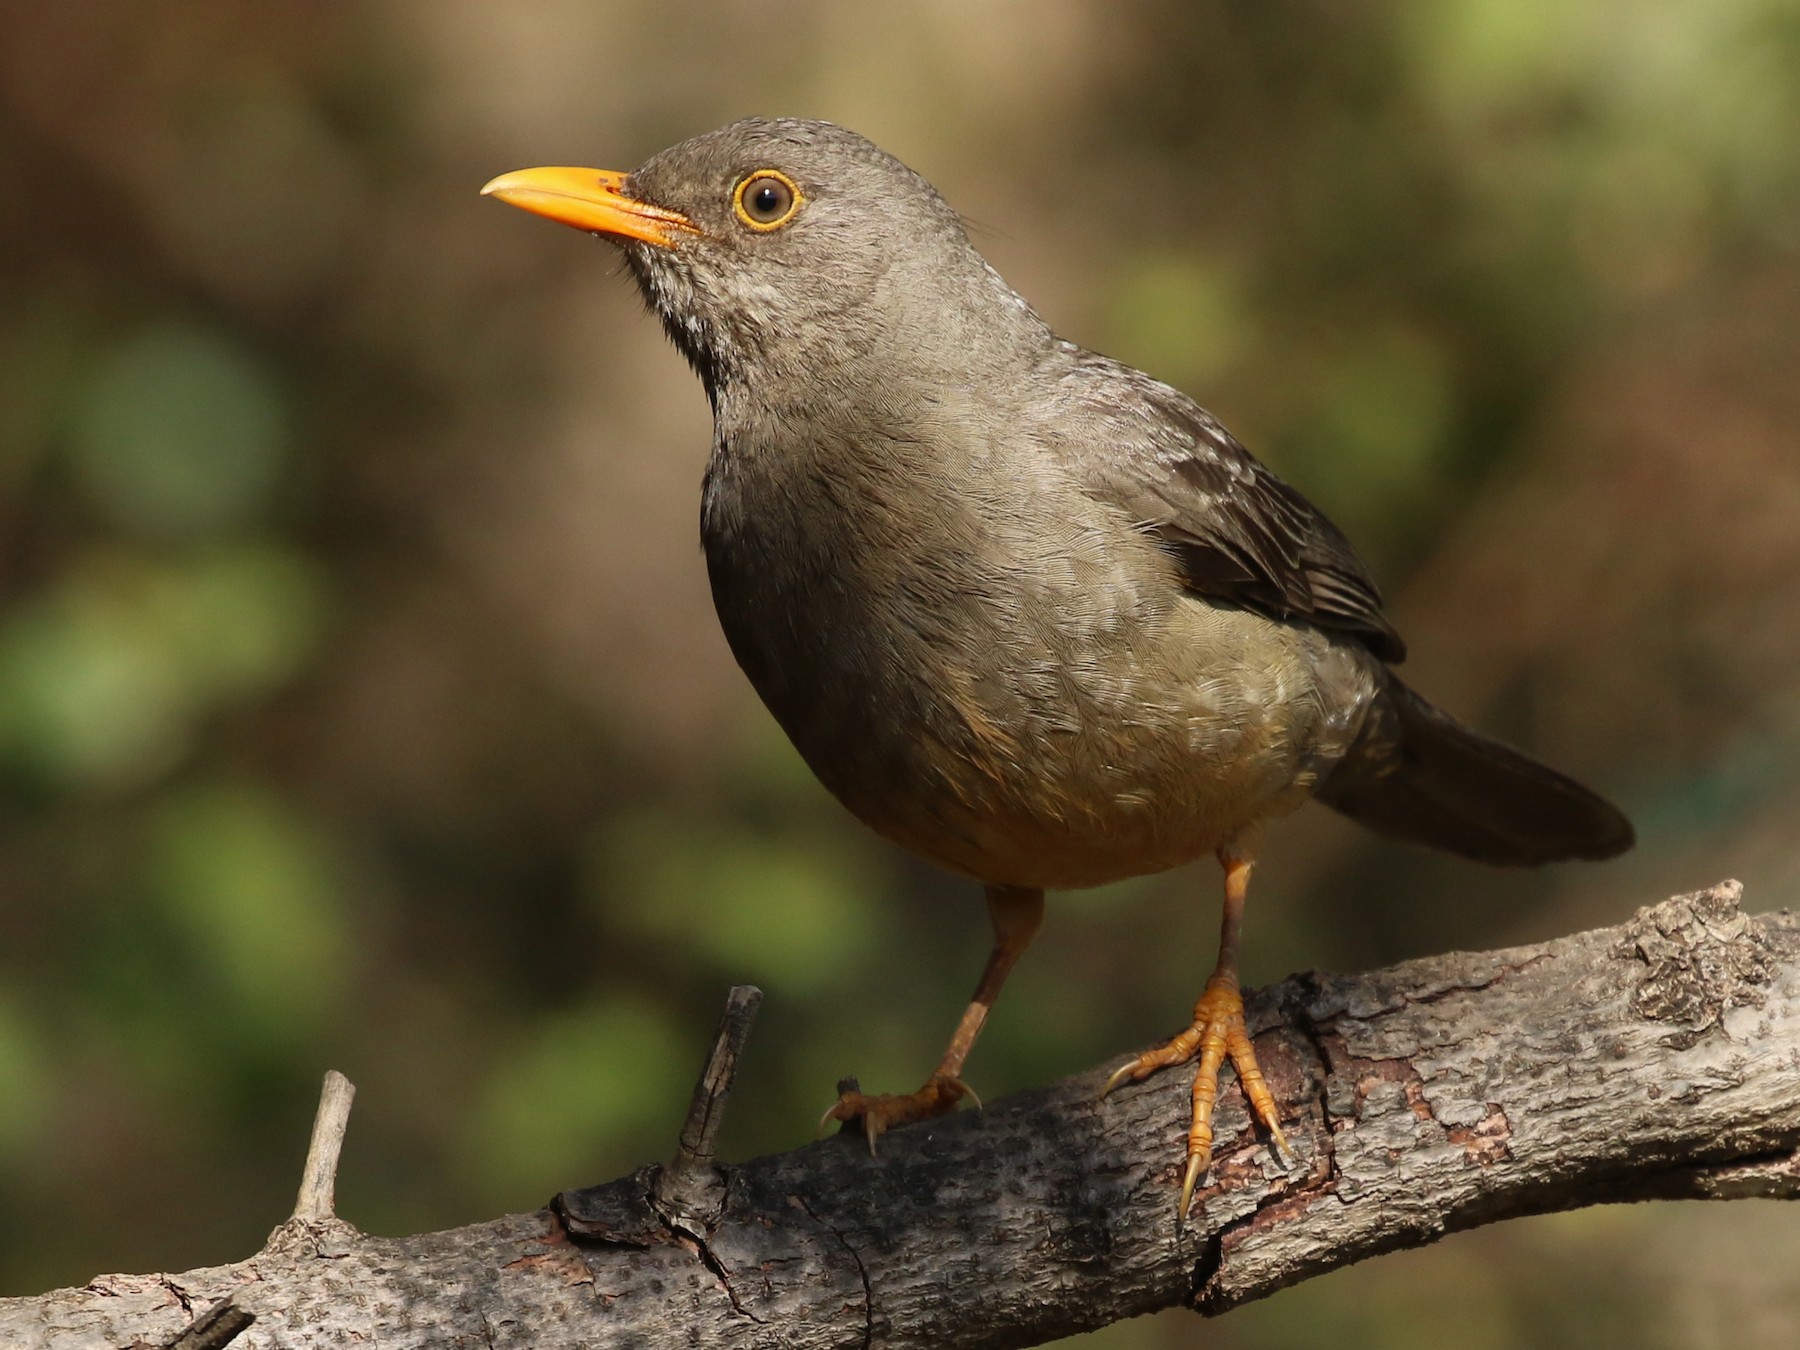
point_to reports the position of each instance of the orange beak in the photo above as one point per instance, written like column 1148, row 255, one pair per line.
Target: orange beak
column 590, row 199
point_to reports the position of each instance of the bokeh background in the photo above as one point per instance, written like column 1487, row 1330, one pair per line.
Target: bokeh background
column 361, row 704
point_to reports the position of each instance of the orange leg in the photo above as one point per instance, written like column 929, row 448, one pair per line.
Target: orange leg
column 1217, row 1033
column 1016, row 914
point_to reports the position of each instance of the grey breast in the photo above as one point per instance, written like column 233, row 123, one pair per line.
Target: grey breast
column 987, row 664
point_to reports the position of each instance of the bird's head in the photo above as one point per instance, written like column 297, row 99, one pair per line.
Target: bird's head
column 779, row 245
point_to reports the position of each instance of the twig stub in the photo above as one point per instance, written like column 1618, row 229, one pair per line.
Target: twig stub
column 686, row 1185
column 317, row 1200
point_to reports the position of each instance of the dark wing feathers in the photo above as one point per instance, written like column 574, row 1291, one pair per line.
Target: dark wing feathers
column 1239, row 533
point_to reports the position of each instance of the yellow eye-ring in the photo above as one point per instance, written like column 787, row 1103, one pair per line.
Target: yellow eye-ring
column 767, row 200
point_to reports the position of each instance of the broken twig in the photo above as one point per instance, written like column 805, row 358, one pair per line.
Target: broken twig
column 318, row 1180
column 688, row 1188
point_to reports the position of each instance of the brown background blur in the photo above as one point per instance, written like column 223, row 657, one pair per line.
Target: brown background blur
column 361, row 704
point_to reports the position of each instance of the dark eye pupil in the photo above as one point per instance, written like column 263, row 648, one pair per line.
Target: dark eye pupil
column 767, row 200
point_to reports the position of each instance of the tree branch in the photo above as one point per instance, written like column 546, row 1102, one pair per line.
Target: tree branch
column 1657, row 1059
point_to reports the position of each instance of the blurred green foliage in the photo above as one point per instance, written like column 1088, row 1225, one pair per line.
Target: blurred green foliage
column 177, row 434
column 787, row 912
column 107, row 675
column 248, row 889
column 360, row 702
column 610, row 1066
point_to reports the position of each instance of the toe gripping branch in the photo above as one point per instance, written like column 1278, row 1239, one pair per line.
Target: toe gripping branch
column 1016, row 915
column 1218, row 1033
column 880, row 1112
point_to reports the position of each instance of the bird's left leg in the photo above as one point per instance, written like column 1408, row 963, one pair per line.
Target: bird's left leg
column 1016, row 914
column 1217, row 1032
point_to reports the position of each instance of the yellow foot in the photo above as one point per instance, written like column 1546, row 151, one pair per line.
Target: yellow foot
column 1218, row 1031
column 880, row 1112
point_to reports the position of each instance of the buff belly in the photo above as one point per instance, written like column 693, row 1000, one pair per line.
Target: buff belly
column 1120, row 772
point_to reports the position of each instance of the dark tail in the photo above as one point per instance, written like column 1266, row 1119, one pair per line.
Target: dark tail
column 1419, row 775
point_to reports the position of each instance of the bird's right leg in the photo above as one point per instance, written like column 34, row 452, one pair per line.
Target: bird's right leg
column 1016, row 914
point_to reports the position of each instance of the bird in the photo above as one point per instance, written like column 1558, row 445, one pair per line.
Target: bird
column 1024, row 610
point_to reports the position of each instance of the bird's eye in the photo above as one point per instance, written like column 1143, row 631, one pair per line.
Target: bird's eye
column 767, row 200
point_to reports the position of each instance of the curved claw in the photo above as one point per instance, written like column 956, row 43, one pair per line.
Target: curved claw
column 1283, row 1150
column 1197, row 1164
column 1120, row 1076
column 1196, row 1168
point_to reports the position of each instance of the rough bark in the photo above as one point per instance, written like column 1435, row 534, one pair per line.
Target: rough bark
column 1657, row 1059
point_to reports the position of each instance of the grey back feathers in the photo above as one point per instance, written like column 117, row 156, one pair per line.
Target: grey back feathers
column 1024, row 609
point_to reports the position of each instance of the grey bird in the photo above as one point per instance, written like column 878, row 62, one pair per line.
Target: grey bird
column 1024, row 610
